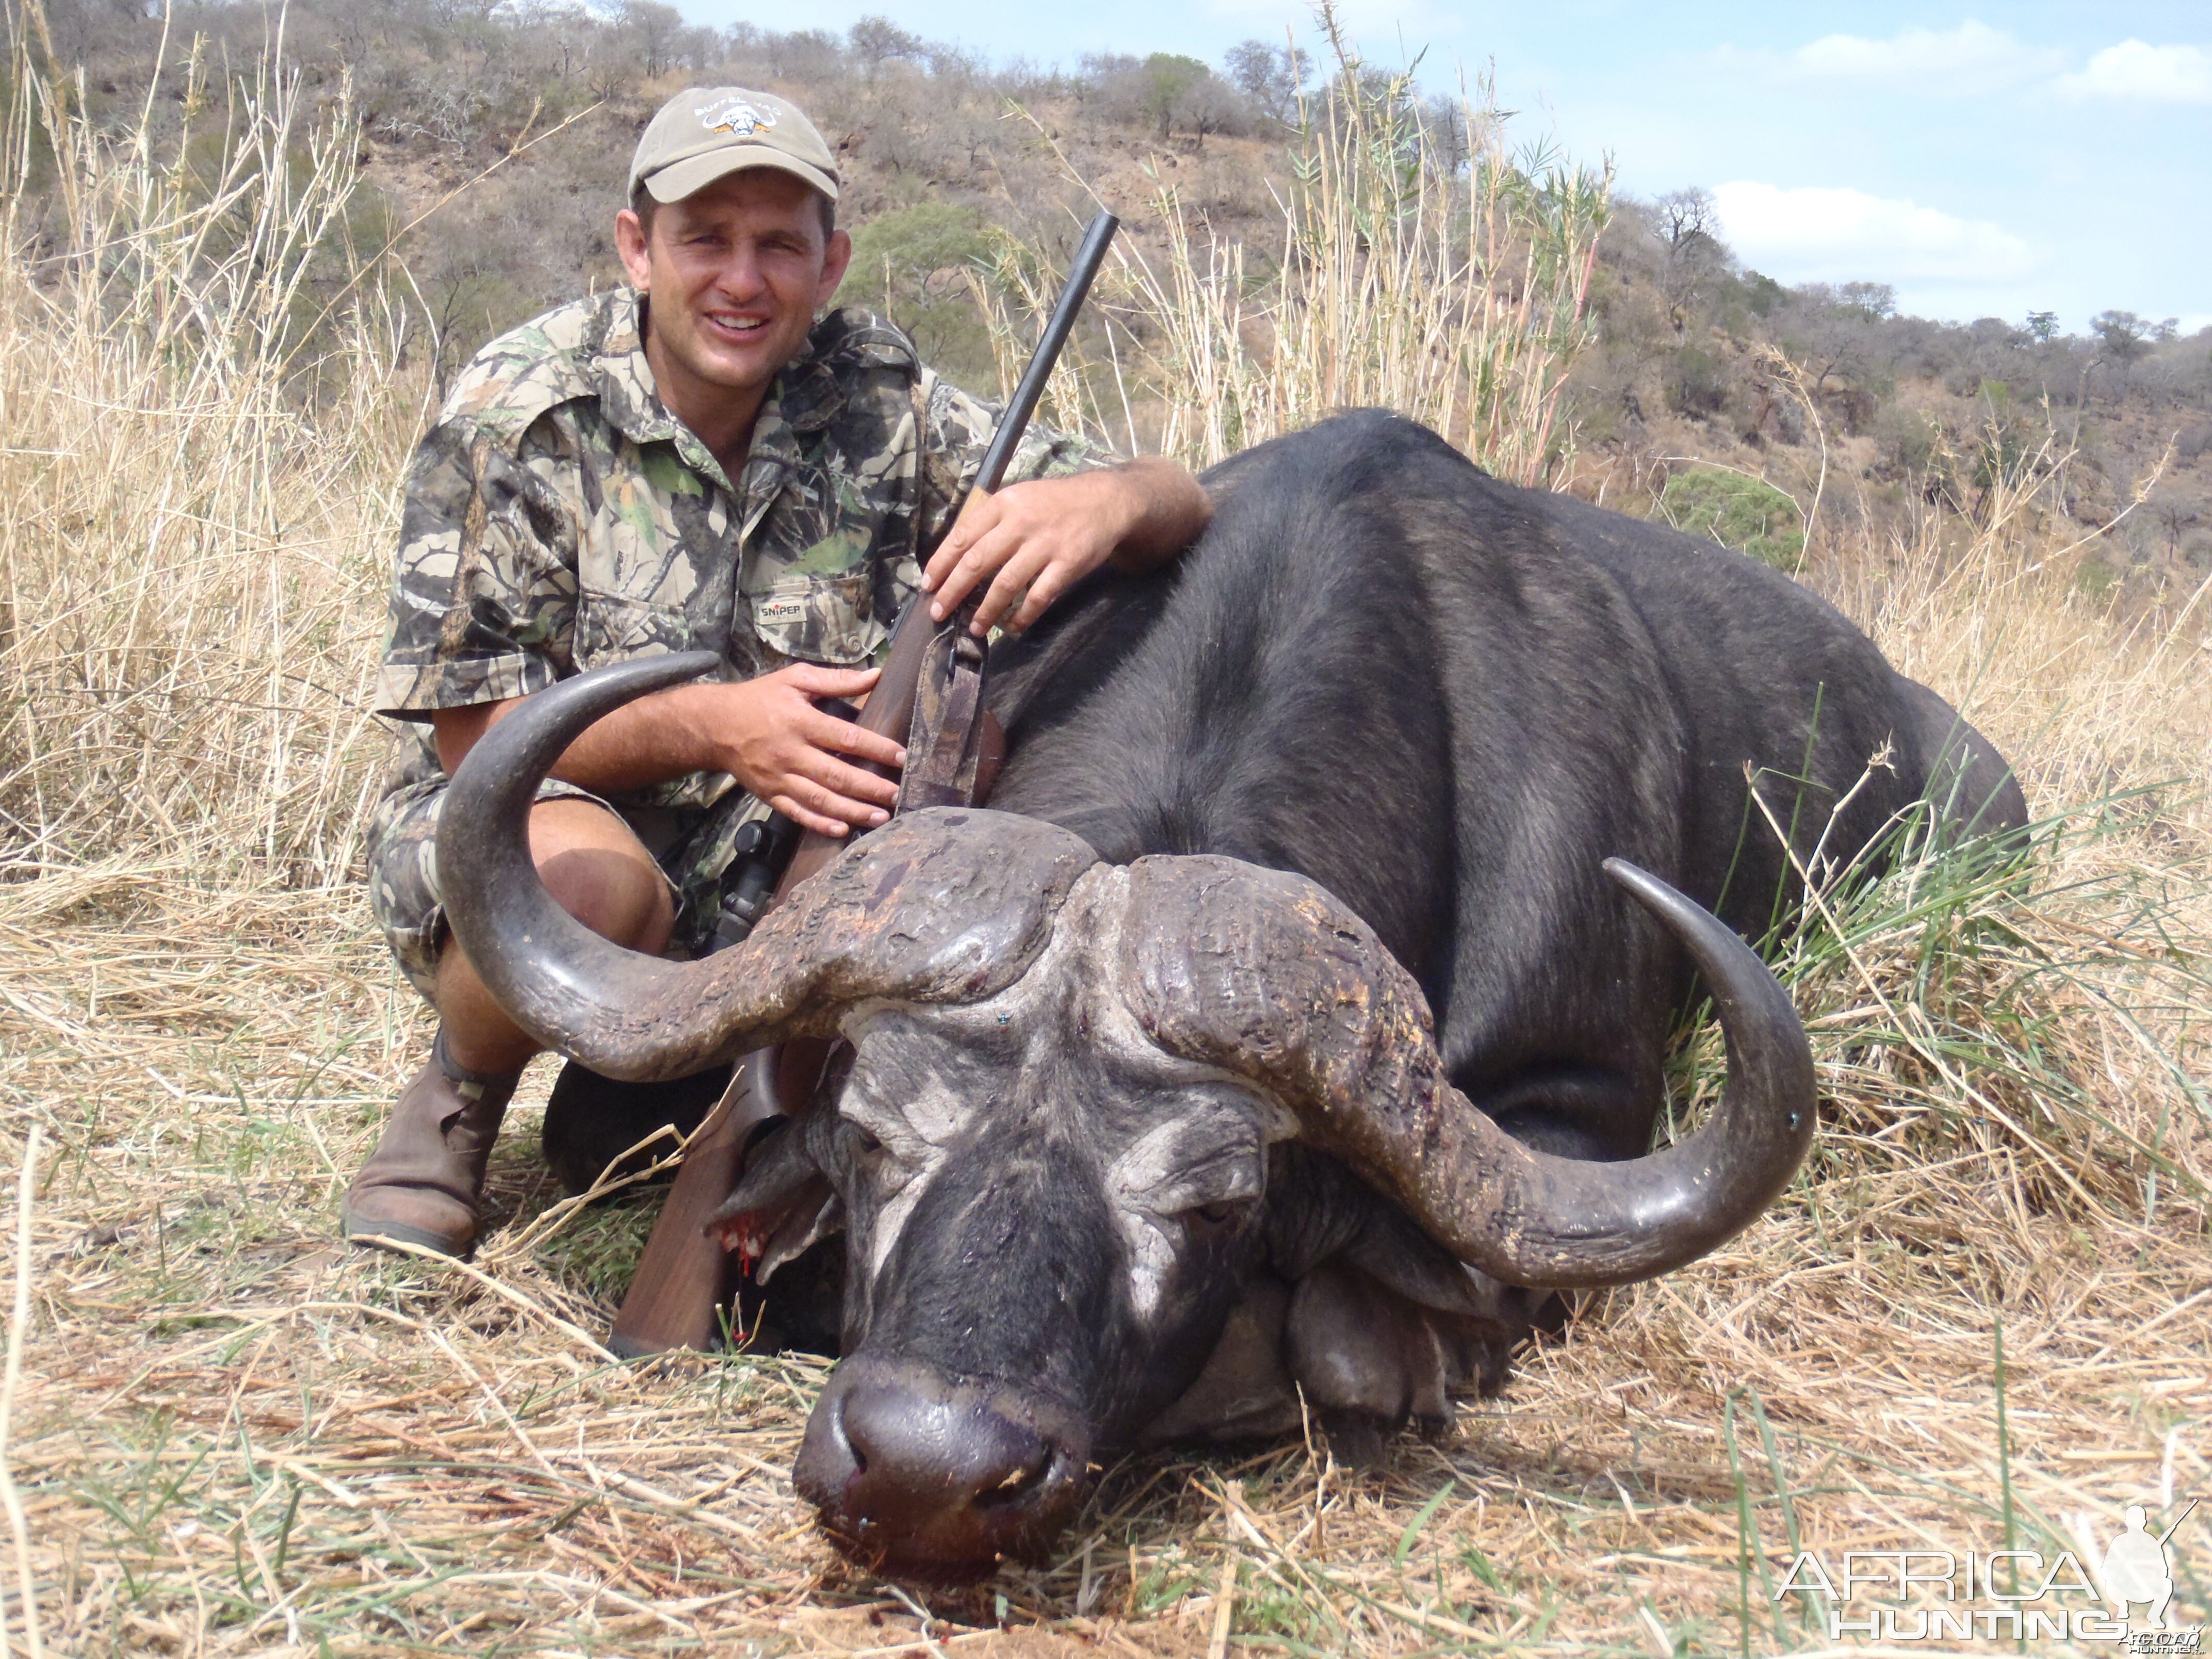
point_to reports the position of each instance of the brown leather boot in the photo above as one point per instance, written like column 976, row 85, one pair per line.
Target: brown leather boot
column 422, row 1184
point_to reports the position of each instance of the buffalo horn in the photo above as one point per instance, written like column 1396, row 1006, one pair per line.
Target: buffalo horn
column 894, row 917
column 1267, row 974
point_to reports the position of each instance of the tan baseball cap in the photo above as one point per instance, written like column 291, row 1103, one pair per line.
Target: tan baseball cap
column 704, row 132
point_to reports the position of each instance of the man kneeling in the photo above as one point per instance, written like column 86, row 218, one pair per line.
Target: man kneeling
column 693, row 462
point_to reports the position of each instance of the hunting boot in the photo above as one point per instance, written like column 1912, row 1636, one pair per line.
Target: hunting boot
column 423, row 1183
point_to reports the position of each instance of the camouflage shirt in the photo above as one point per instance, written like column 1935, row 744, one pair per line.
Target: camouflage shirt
column 558, row 517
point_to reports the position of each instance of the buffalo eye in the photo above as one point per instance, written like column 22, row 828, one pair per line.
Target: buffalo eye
column 1213, row 1216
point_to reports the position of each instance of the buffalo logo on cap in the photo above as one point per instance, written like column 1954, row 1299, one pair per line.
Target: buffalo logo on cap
column 733, row 115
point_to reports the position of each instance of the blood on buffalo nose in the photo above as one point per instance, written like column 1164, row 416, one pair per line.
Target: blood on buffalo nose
column 917, row 1472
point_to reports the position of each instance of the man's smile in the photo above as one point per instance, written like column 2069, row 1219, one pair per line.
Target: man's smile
column 739, row 324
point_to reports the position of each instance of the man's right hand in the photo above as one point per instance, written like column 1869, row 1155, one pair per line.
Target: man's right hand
column 786, row 751
column 766, row 734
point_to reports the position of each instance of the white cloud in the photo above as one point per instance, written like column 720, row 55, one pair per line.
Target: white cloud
column 1971, row 58
column 1839, row 235
column 2148, row 74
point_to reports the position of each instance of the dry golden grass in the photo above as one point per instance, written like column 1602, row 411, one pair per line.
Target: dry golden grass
column 225, row 1433
column 181, row 634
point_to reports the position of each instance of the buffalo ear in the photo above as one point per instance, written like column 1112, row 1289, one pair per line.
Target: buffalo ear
column 819, row 1214
column 1398, row 1255
column 782, row 1204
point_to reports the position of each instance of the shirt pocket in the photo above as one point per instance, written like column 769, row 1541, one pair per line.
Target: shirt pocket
column 610, row 628
column 817, row 618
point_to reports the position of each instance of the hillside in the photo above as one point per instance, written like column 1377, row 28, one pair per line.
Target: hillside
column 494, row 141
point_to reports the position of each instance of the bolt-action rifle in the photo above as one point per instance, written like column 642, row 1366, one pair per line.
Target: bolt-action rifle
column 683, row 1278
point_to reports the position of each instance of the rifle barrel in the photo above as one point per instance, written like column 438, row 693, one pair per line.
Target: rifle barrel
column 890, row 706
column 1080, row 274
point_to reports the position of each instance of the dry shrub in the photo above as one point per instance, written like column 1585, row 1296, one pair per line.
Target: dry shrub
column 1983, row 1312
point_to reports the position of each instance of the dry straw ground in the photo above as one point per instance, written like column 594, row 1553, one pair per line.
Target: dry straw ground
column 1980, row 1318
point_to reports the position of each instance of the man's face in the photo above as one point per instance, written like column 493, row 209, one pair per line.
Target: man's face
column 736, row 274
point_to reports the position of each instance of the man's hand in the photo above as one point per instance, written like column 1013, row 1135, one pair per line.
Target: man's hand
column 1034, row 541
column 766, row 734
column 783, row 749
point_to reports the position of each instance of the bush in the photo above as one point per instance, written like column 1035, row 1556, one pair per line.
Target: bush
column 1963, row 380
column 1748, row 514
column 1905, row 442
column 2094, row 577
column 1696, row 382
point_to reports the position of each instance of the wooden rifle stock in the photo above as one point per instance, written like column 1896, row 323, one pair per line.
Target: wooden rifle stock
column 684, row 1276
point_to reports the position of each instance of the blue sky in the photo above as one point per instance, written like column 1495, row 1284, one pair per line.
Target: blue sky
column 1987, row 161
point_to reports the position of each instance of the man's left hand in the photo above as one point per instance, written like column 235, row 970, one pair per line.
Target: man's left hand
column 1034, row 541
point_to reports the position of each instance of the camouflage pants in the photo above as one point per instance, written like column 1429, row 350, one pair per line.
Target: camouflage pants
column 695, row 851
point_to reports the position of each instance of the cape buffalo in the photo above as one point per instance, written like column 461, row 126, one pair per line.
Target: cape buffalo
column 1295, row 1009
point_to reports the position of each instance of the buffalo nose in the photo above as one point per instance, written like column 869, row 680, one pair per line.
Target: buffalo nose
column 916, row 1457
column 924, row 1474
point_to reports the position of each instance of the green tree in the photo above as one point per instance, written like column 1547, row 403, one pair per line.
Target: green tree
column 2125, row 336
column 1761, row 293
column 1168, row 81
column 910, row 264
column 1872, row 302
